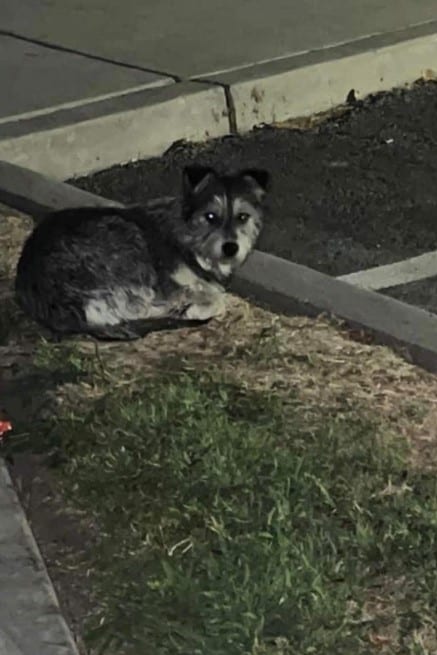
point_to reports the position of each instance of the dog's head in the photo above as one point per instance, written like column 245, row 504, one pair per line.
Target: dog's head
column 223, row 216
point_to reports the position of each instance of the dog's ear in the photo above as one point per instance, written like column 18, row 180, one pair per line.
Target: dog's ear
column 258, row 179
column 196, row 178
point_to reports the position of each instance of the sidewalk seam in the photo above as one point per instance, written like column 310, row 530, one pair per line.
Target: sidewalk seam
column 87, row 55
column 232, row 113
column 229, row 100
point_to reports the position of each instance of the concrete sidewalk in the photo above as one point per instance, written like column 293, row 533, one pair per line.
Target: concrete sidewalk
column 92, row 84
column 189, row 38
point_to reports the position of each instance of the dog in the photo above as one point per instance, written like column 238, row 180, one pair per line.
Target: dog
column 117, row 274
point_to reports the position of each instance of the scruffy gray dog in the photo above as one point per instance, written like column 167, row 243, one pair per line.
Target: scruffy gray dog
column 121, row 273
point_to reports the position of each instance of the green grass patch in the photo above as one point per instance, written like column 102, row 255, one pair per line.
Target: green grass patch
column 227, row 524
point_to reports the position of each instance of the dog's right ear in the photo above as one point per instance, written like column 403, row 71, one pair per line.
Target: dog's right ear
column 258, row 179
column 196, row 179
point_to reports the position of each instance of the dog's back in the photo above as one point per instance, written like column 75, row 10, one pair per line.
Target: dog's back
column 73, row 253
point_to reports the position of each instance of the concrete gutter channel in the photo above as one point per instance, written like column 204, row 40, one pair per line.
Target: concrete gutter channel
column 40, row 151
column 31, row 622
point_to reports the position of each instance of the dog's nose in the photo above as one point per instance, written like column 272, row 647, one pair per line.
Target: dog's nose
column 230, row 248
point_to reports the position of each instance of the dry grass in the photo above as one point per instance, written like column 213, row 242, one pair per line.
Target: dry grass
column 13, row 229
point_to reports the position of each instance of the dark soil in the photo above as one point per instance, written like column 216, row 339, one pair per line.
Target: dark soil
column 422, row 293
column 355, row 191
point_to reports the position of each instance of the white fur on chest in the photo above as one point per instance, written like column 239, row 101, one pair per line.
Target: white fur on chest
column 186, row 278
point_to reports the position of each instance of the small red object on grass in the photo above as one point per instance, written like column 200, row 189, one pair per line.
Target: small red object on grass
column 5, row 426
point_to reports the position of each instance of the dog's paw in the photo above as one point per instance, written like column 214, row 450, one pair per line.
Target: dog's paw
column 197, row 312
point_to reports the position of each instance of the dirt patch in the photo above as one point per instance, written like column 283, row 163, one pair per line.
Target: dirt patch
column 422, row 293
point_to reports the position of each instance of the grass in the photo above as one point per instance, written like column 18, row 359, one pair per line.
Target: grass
column 263, row 486
column 227, row 523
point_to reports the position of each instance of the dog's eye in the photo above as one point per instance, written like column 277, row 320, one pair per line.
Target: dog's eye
column 243, row 217
column 211, row 217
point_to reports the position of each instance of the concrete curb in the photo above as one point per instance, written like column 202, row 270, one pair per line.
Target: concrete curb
column 83, row 139
column 36, row 194
column 281, row 285
column 97, row 135
column 30, row 618
column 306, row 84
column 290, row 288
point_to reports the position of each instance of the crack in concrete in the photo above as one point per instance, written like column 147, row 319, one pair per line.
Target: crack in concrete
column 231, row 112
column 88, row 55
column 230, row 105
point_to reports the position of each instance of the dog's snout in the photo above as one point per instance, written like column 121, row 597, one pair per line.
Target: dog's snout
column 230, row 248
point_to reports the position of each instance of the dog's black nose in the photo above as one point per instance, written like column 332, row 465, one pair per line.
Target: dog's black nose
column 230, row 248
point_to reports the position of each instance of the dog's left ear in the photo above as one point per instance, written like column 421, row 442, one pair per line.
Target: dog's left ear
column 196, row 178
column 259, row 180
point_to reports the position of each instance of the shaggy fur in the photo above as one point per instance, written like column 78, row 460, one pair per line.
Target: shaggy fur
column 120, row 273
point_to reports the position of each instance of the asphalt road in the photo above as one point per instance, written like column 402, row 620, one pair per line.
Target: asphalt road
column 356, row 191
